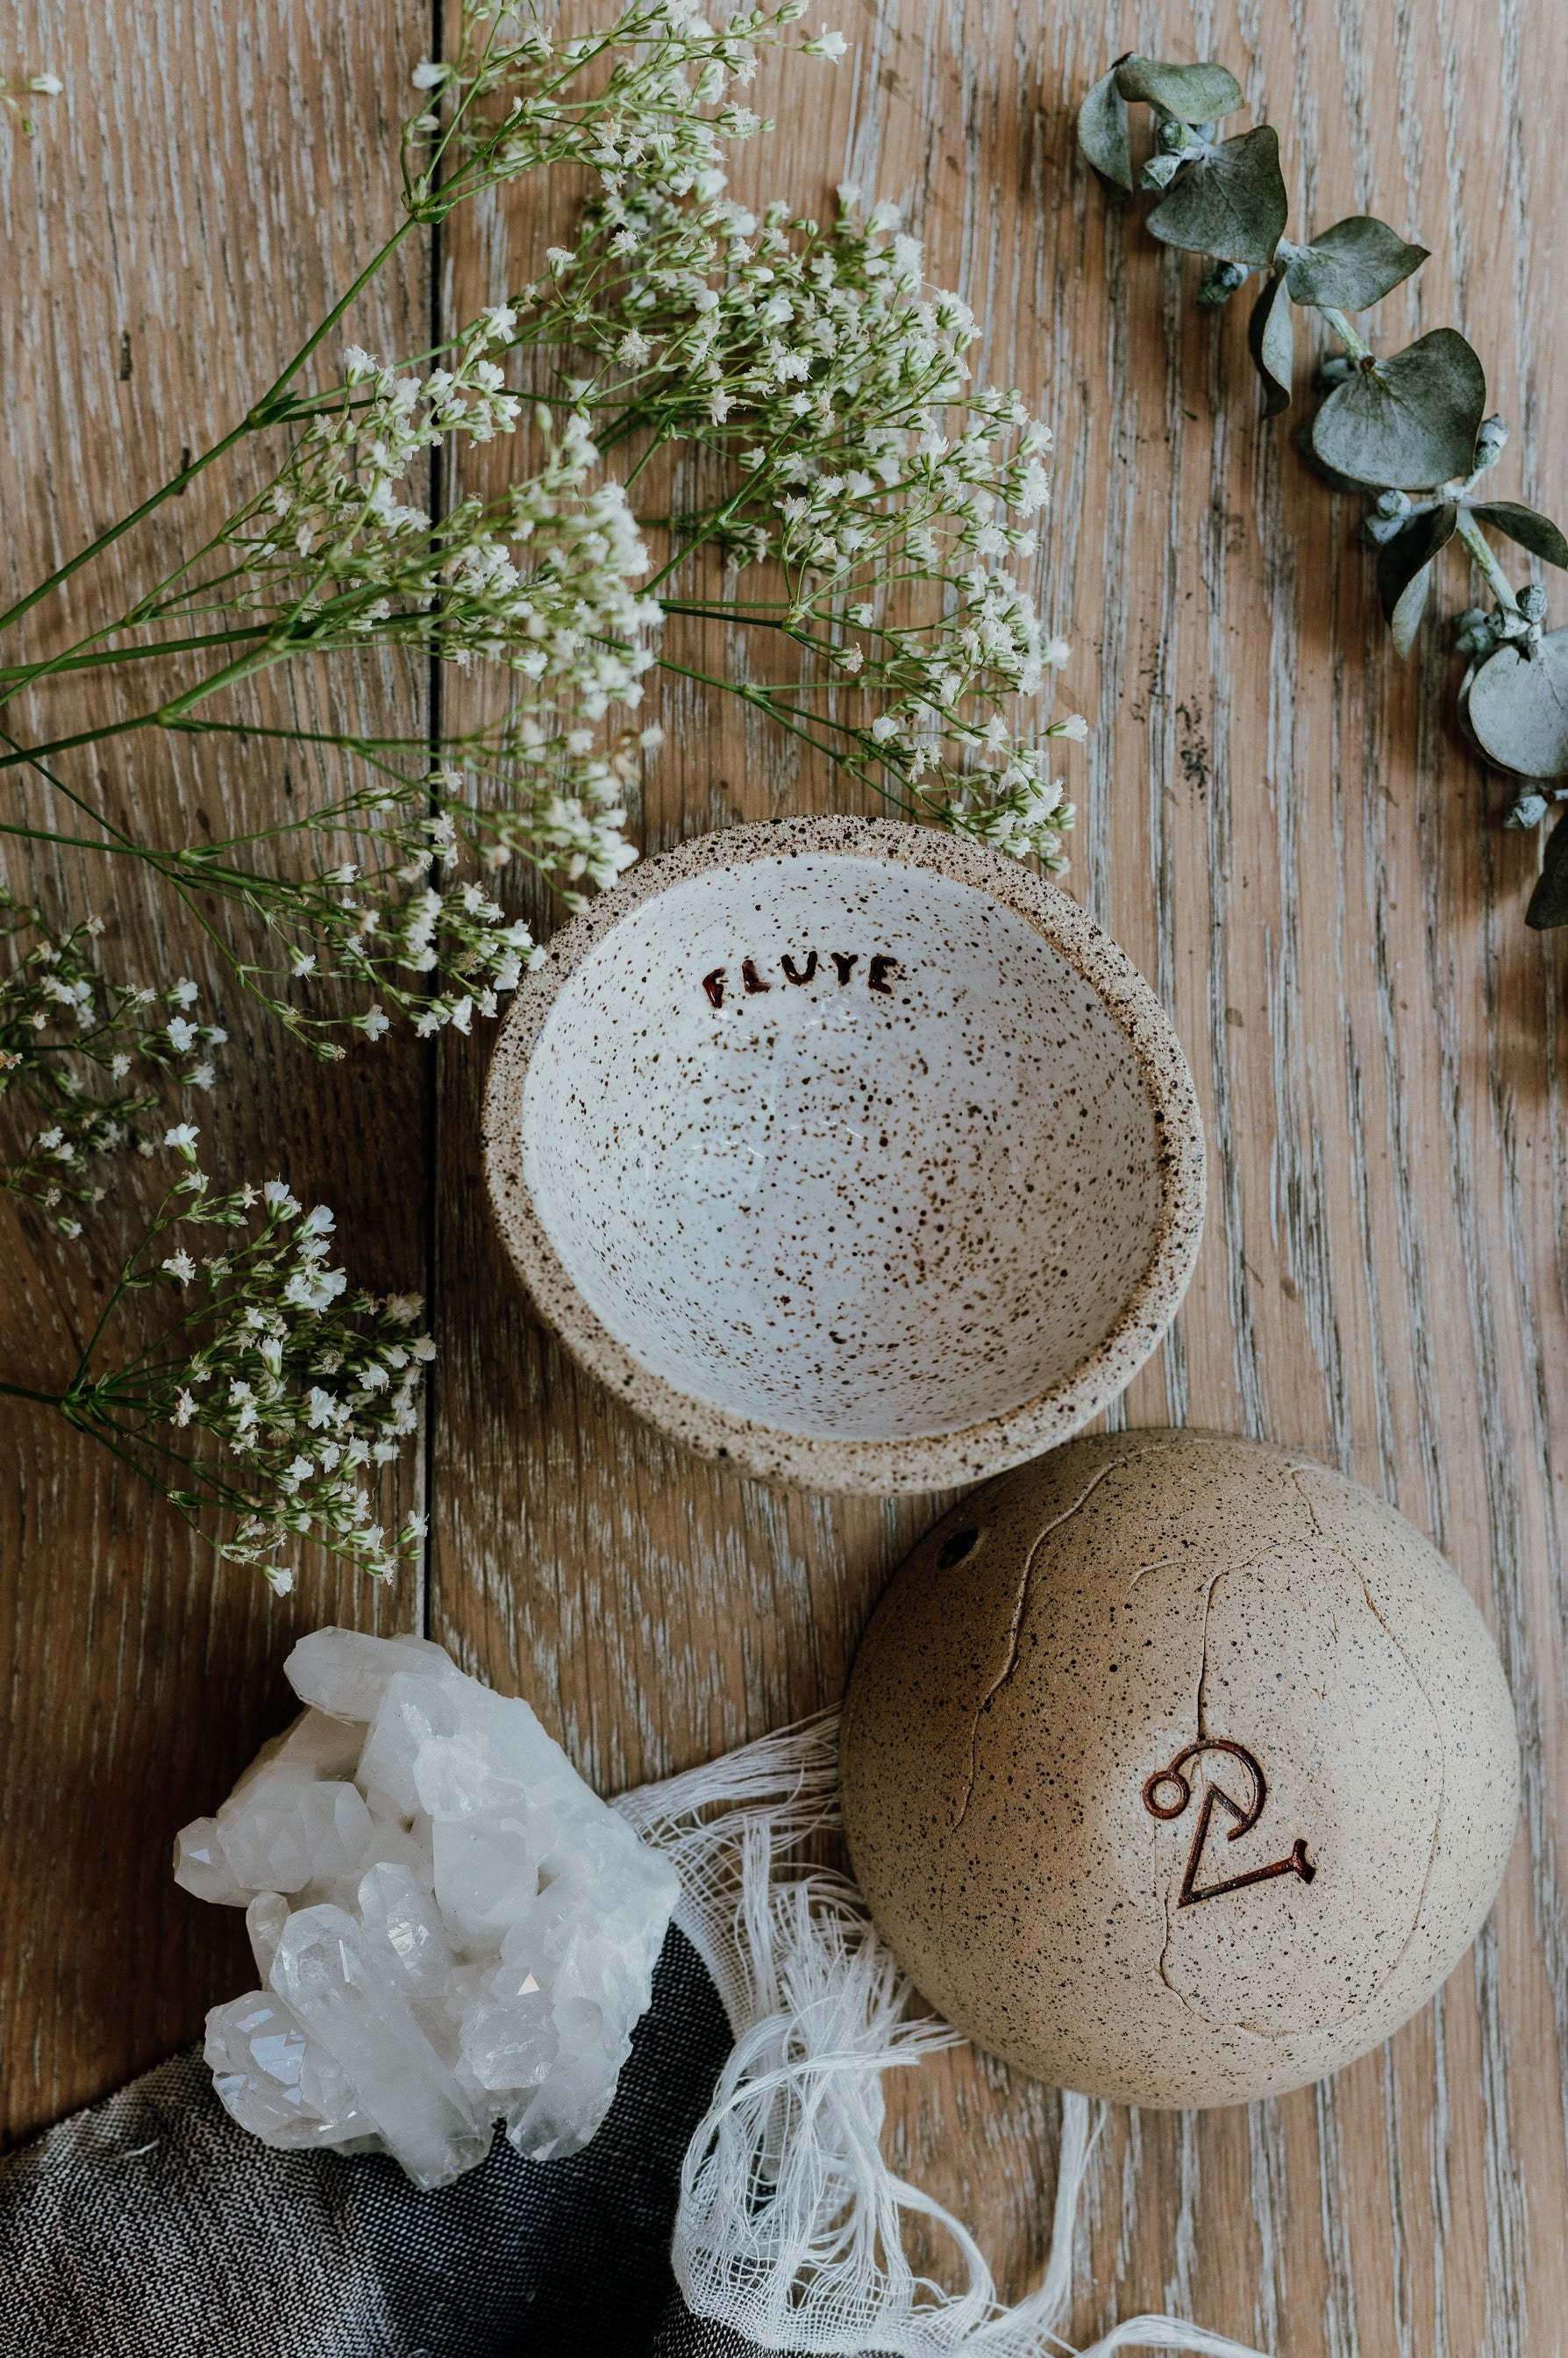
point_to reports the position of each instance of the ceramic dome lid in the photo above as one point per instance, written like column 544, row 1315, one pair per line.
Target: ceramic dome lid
column 1177, row 1769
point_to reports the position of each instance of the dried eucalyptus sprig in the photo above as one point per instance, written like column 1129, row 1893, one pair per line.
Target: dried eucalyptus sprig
column 1408, row 432
column 261, row 1406
column 85, row 1062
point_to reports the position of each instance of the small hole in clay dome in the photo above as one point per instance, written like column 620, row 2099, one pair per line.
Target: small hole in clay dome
column 962, row 1543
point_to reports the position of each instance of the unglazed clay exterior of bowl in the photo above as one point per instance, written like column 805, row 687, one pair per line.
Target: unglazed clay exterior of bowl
column 1177, row 1769
column 848, row 1152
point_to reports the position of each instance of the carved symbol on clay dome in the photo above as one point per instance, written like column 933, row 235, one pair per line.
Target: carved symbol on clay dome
column 1171, row 1782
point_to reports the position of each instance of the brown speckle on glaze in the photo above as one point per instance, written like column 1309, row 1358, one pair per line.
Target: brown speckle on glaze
column 889, row 1218
column 1308, row 1667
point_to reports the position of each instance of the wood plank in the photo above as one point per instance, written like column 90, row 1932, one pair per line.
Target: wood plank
column 1281, row 826
column 183, row 218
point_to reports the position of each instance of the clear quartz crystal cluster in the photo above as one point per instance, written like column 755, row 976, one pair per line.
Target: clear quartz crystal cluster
column 449, row 1925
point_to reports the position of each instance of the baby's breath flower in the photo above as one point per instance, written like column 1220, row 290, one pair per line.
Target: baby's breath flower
column 65, row 1029
column 884, row 494
column 286, row 1384
column 36, row 85
column 890, row 502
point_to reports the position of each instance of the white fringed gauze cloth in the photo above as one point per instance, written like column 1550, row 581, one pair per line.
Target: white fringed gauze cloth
column 789, row 2225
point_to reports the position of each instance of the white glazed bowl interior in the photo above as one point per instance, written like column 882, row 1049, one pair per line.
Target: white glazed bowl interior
column 889, row 1191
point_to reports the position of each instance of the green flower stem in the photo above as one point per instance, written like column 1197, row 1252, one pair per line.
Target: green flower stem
column 71, row 842
column 26, row 754
column 761, row 698
column 367, row 747
column 100, row 1429
column 749, row 610
column 268, row 411
column 265, row 412
column 26, row 1393
column 849, row 759
column 63, row 573
column 231, row 675
column 15, row 678
column 160, row 1221
column 1358, row 349
column 1466, row 529
column 715, row 522
column 173, row 867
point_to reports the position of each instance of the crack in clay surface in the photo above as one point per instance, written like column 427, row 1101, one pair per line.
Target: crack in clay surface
column 1441, row 1784
column 1436, row 1717
column 1203, row 1648
column 1163, row 1896
column 1010, row 1662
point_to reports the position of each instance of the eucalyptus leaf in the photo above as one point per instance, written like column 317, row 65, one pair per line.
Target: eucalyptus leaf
column 1102, row 136
column 1517, row 708
column 1536, row 533
column 1401, row 558
column 1409, row 607
column 1409, row 422
column 1192, row 93
column 1231, row 204
column 1404, row 571
column 1271, row 345
column 1548, row 902
column 1352, row 265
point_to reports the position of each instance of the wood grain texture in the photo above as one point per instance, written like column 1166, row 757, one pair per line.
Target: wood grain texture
column 185, row 212
column 1279, row 824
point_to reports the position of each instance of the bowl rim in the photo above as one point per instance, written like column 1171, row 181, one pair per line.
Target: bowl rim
column 900, row 1464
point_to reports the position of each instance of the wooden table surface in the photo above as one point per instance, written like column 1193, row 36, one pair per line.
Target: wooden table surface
column 1279, row 824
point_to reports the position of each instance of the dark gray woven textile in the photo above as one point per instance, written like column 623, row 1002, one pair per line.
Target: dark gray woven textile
column 151, row 2226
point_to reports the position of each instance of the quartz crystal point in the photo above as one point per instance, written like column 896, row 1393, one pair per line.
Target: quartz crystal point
column 450, row 1927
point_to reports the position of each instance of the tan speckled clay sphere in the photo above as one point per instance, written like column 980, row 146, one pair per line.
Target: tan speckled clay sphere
column 1177, row 1769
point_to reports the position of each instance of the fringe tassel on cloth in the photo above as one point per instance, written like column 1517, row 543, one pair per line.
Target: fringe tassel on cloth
column 790, row 2223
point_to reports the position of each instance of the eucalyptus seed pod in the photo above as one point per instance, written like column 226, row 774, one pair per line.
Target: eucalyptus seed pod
column 1222, row 282
column 1489, row 441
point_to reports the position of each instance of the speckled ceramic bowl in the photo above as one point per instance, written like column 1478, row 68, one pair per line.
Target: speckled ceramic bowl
column 848, row 1152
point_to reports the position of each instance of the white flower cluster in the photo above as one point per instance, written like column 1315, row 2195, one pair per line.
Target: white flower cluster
column 335, row 551
column 14, row 96
column 434, row 945
column 297, row 1387
column 88, row 1054
column 392, row 919
column 649, row 85
column 881, row 512
column 895, row 509
column 555, row 798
